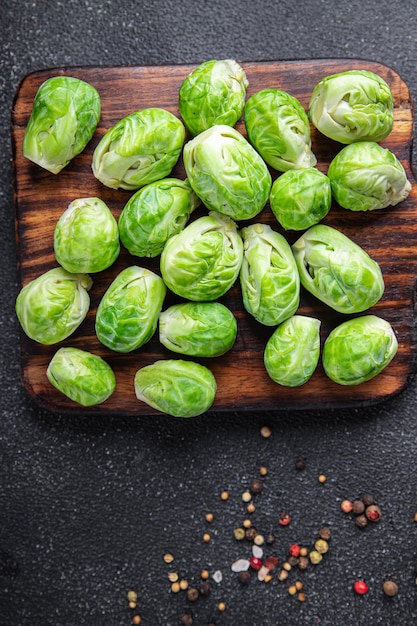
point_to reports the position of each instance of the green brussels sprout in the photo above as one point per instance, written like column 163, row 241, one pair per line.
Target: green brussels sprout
column 213, row 93
column 52, row 306
column 278, row 127
column 176, row 387
column 226, row 172
column 269, row 276
column 356, row 105
column 337, row 271
column 365, row 176
column 359, row 349
column 64, row 117
column 292, row 352
column 300, row 198
column 82, row 376
column 202, row 329
column 86, row 237
column 127, row 314
column 203, row 261
column 155, row 213
column 139, row 149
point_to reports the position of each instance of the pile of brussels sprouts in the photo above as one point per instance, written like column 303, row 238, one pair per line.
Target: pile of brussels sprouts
column 202, row 258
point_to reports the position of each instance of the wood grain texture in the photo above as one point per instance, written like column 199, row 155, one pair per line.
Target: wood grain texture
column 388, row 235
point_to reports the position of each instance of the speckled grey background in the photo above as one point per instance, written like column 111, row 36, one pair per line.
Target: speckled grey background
column 89, row 506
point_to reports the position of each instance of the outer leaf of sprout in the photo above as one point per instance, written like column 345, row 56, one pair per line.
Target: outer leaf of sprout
column 176, row 387
column 64, row 117
column 127, row 315
column 269, row 277
column 82, row 376
column 359, row 349
column 52, row 306
column 154, row 214
column 365, row 176
column 293, row 350
column 213, row 93
column 203, row 261
column 300, row 198
column 337, row 271
column 227, row 173
column 356, row 105
column 279, row 128
column 139, row 149
column 201, row 329
column 86, row 237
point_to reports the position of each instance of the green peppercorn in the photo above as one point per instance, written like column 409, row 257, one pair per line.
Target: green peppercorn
column 315, row 557
column 239, row 533
column 321, row 546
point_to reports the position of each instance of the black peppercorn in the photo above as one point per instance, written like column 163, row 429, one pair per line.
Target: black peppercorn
column 192, row 594
column 367, row 499
column 205, row 588
column 269, row 538
column 361, row 521
column 250, row 533
column 256, row 486
column 244, row 577
column 300, row 464
column 358, row 507
column 186, row 620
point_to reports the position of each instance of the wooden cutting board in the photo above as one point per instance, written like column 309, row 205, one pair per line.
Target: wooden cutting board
column 388, row 235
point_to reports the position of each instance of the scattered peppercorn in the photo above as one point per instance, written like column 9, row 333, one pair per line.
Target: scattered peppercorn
column 256, row 486
column 204, row 574
column 269, row 539
column 244, row 577
column 315, row 557
column 255, row 563
column 322, row 478
column 175, row 587
column 209, row 517
column 302, row 596
column 186, row 620
column 250, row 533
column 221, row 606
column 295, row 550
column 263, row 470
column 173, row 577
column 368, row 499
column 373, row 513
column 325, row 533
column 205, row 588
column 358, row 507
column 346, row 506
column 206, row 537
column 192, row 594
column 303, row 562
column 266, row 431
column 259, row 540
column 284, row 519
column 283, row 574
column 224, row 495
column 239, row 533
column 361, row 521
column 250, row 508
column 246, row 523
column 246, row 496
column 292, row 590
column 300, row 464
column 360, row 587
column 183, row 584
column 390, row 588
column 321, row 546
column 168, row 558
column 132, row 596
column 136, row 619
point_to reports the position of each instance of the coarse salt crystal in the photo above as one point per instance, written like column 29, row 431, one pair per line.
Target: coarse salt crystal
column 263, row 573
column 241, row 565
column 217, row 576
column 257, row 552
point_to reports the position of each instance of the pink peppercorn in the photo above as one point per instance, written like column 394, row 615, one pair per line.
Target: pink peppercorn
column 255, row 563
column 295, row 550
column 360, row 587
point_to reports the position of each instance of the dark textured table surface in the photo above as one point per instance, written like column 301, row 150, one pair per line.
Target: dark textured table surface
column 89, row 506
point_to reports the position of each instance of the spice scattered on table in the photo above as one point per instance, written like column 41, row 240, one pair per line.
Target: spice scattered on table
column 360, row 587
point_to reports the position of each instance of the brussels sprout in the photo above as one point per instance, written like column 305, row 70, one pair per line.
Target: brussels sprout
column 86, row 237
column 202, row 329
column 214, row 93
column 365, row 176
column 203, row 261
column 337, row 271
column 64, row 117
column 82, row 376
column 52, row 306
column 359, row 349
column 269, row 277
column 292, row 352
column 300, row 198
column 227, row 173
column 127, row 314
column 279, row 129
column 155, row 213
column 139, row 149
column 176, row 387
column 356, row 105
